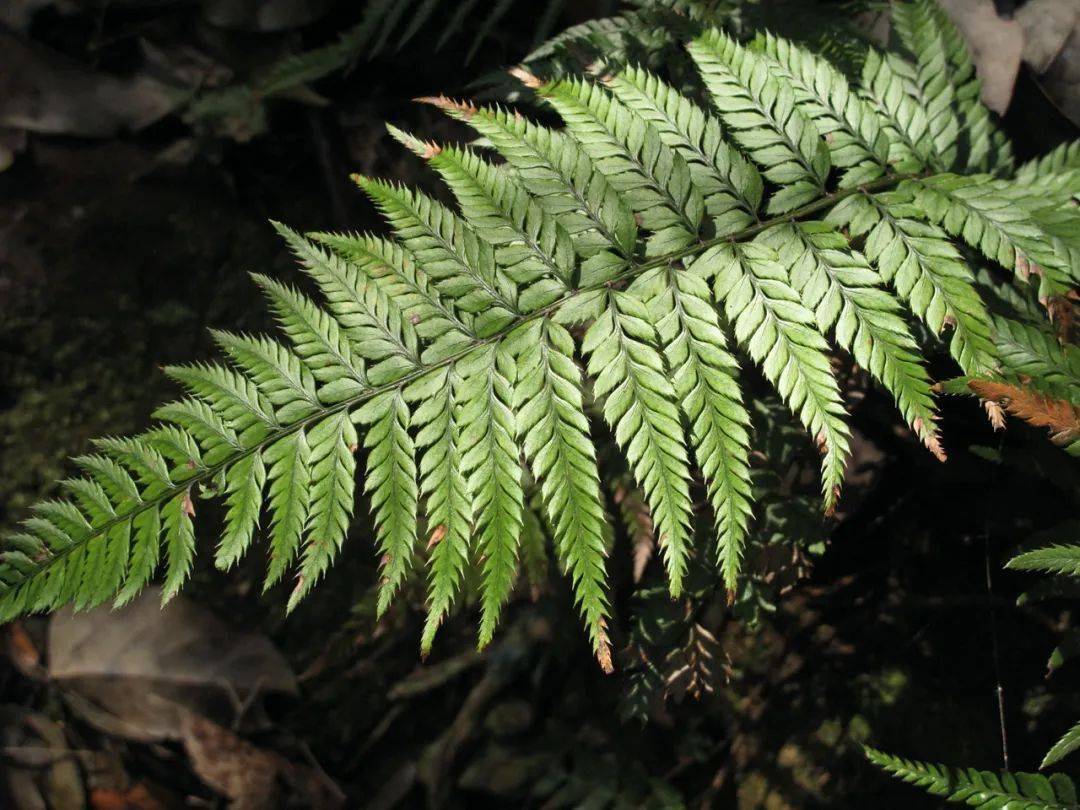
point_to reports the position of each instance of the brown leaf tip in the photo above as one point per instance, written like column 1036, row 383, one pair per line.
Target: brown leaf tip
column 464, row 109
column 930, row 438
column 527, row 78
column 437, row 534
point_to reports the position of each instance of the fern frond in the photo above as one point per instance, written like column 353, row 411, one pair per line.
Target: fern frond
column 920, row 31
column 462, row 265
column 437, row 419
column 490, row 459
column 939, row 48
column 984, row 789
column 885, row 83
column 244, row 488
column 760, row 111
column 276, row 371
column 448, row 349
column 391, row 485
column 926, row 270
column 333, row 443
column 557, row 172
column 529, row 241
column 396, row 273
column 234, row 398
column 653, row 178
column 973, row 208
column 289, row 472
column 319, row 339
column 372, row 320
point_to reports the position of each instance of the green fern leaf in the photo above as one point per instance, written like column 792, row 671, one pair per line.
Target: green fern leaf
column 397, row 275
column 983, row 789
column 529, row 242
column 462, row 265
column 179, row 538
column 391, row 485
column 1057, row 170
column 490, row 459
column 1063, row 560
column 918, row 28
column 289, row 472
column 217, row 439
column 373, row 322
column 318, row 339
column 925, row 269
column 939, row 47
column 333, row 443
column 974, row 209
column 884, row 83
column 276, row 372
column 451, row 340
column 145, row 553
column 442, row 483
column 653, row 178
column 244, row 482
column 559, row 174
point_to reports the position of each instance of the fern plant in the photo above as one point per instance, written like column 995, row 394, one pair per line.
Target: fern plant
column 985, row 789
column 666, row 241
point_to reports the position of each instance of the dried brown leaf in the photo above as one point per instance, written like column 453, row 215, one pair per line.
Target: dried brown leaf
column 1061, row 418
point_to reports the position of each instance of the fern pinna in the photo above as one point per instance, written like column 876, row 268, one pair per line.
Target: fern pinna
column 637, row 257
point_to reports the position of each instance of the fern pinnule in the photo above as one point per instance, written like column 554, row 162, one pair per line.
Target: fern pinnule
column 530, row 242
column 1057, row 559
column 555, row 170
column 555, row 439
column 490, row 459
column 653, row 178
